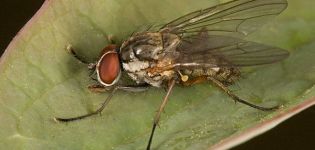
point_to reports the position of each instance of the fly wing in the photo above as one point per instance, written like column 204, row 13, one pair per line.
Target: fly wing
column 219, row 51
column 236, row 18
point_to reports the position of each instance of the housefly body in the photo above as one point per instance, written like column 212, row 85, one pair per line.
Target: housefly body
column 201, row 46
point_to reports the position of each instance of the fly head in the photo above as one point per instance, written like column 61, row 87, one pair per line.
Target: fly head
column 108, row 66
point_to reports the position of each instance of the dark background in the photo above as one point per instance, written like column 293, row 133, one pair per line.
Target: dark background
column 296, row 133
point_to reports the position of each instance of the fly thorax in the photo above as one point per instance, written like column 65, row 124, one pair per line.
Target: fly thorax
column 144, row 51
column 170, row 42
column 142, row 46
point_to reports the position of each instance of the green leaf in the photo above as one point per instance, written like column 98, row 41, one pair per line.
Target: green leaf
column 40, row 80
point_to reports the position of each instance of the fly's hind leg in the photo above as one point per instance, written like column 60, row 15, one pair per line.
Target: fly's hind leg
column 238, row 99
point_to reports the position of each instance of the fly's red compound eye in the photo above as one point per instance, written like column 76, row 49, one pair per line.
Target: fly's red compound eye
column 108, row 68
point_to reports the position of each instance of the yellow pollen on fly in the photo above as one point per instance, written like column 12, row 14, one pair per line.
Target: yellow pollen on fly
column 184, row 78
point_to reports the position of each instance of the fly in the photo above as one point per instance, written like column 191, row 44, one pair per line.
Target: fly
column 201, row 46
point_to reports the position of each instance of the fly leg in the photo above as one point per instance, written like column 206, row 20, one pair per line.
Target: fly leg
column 237, row 99
column 99, row 88
column 70, row 49
column 135, row 88
column 91, row 66
column 158, row 114
column 98, row 111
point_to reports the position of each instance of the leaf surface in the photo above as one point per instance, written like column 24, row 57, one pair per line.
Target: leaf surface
column 40, row 80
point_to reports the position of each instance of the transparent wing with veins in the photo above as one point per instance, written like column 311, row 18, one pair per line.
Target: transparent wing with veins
column 219, row 51
column 237, row 18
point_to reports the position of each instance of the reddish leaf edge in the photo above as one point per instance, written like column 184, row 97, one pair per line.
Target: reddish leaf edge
column 262, row 127
column 23, row 31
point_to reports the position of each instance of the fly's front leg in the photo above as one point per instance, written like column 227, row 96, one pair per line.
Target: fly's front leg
column 91, row 66
column 161, row 108
column 98, row 111
column 70, row 49
column 238, row 99
column 98, row 89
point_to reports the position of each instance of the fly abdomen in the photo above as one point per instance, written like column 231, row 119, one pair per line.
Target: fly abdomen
column 226, row 75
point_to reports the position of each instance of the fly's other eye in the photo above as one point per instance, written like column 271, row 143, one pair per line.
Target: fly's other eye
column 108, row 68
column 108, row 48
